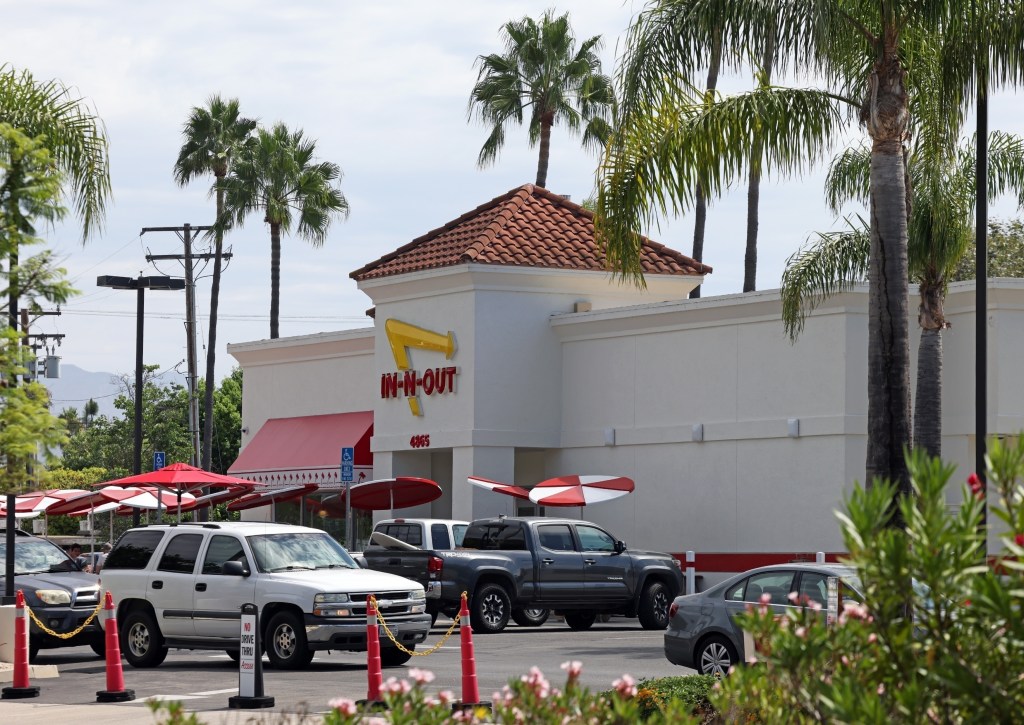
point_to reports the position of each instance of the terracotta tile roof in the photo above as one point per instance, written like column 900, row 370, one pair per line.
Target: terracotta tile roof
column 527, row 227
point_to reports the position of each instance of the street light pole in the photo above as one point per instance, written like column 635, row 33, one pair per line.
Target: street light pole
column 140, row 284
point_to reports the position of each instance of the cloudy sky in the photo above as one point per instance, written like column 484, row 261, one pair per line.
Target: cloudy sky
column 383, row 86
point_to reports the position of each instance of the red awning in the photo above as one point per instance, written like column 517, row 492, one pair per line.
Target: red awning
column 307, row 449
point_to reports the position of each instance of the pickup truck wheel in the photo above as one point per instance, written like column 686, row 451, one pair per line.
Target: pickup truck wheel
column 142, row 644
column 99, row 646
column 654, row 601
column 33, row 649
column 286, row 642
column 530, row 617
column 233, row 654
column 394, row 657
column 491, row 609
column 579, row 621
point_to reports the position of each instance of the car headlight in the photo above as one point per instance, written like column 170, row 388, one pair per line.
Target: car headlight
column 418, row 594
column 326, row 605
column 53, row 597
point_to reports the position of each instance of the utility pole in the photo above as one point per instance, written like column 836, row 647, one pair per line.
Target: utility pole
column 184, row 233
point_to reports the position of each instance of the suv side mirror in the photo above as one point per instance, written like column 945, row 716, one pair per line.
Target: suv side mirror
column 234, row 568
column 620, row 546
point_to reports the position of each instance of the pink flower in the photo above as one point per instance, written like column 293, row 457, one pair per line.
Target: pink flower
column 881, row 688
column 1019, row 538
column 765, row 598
column 344, row 705
column 537, row 682
column 801, row 632
column 421, row 677
column 977, row 487
column 625, row 686
column 794, row 597
column 447, row 696
column 395, row 686
column 573, row 668
column 872, row 638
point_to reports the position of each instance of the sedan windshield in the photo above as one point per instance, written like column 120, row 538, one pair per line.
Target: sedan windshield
column 33, row 556
column 297, row 551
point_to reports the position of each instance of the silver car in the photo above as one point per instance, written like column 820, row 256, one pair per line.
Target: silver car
column 702, row 630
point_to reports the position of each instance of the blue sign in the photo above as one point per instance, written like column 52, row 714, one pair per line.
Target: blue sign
column 348, row 456
column 159, row 460
column 346, row 472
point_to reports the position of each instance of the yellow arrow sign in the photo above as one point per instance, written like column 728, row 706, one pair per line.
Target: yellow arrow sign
column 402, row 336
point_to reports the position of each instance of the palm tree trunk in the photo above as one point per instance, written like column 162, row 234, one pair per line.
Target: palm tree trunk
column 928, row 397
column 211, row 348
column 546, row 122
column 275, row 278
column 754, row 182
column 700, row 207
column 885, row 116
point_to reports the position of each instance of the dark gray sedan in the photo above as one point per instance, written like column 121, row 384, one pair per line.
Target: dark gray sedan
column 702, row 631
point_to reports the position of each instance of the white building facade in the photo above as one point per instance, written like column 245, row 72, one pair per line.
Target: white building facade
column 741, row 444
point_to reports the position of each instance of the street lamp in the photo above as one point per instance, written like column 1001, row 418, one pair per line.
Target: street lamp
column 141, row 284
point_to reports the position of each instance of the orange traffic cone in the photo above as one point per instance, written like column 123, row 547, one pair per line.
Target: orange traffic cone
column 470, row 690
column 115, row 691
column 20, row 688
column 374, row 673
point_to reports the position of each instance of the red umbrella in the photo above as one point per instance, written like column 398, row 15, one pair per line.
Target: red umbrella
column 89, row 500
column 212, row 499
column 40, row 501
column 580, row 490
column 499, row 487
column 182, row 477
column 270, row 495
column 392, row 493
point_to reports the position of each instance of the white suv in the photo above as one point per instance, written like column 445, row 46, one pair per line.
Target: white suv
column 183, row 585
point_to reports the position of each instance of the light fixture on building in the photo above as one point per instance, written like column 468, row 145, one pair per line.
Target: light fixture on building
column 697, row 432
column 794, row 427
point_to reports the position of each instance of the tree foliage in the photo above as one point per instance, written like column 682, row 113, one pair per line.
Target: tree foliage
column 940, row 637
column 1005, row 247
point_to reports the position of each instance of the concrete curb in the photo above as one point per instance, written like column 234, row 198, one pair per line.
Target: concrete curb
column 34, row 671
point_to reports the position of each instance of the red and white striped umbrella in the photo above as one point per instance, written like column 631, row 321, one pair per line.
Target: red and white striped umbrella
column 498, row 487
column 580, row 490
column 123, row 500
column 37, row 502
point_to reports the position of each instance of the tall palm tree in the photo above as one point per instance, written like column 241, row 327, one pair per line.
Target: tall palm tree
column 276, row 174
column 212, row 137
column 940, row 234
column 543, row 71
column 860, row 49
column 73, row 134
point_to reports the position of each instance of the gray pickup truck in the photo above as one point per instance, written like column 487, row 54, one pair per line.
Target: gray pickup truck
column 508, row 565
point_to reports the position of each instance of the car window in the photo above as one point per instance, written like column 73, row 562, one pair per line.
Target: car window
column 459, row 532
column 593, row 539
column 814, row 587
column 222, row 549
column 35, row 556
column 409, row 533
column 507, row 537
column 776, row 584
column 556, row 537
column 283, row 552
column 133, row 550
column 735, row 594
column 439, row 536
column 181, row 554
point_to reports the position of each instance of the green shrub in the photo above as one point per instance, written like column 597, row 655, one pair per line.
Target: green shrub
column 690, row 691
column 941, row 637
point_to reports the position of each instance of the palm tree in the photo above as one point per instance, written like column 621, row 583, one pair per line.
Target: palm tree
column 89, row 412
column 276, row 174
column 543, row 71
column 941, row 232
column 860, row 49
column 73, row 134
column 212, row 137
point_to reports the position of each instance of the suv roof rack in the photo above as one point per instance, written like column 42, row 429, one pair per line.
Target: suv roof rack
column 203, row 524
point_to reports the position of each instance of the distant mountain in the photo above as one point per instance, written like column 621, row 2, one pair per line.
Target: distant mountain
column 75, row 387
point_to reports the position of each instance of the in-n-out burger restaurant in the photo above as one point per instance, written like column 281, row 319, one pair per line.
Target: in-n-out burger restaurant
column 500, row 347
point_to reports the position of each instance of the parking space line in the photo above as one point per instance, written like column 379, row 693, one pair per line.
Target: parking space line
column 214, row 692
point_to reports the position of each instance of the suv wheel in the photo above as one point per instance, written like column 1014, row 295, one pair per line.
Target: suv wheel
column 491, row 609
column 530, row 617
column 142, row 644
column 579, row 621
column 654, row 603
column 99, row 646
column 394, row 657
column 286, row 642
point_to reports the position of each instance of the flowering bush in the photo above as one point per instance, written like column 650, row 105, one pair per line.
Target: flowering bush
column 530, row 699
column 941, row 635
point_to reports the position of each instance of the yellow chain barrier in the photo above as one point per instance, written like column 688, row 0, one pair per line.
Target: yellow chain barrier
column 66, row 635
column 402, row 647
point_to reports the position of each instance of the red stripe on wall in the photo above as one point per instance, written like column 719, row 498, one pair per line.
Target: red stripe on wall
column 742, row 561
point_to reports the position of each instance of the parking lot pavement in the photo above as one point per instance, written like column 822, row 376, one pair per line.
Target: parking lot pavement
column 204, row 680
